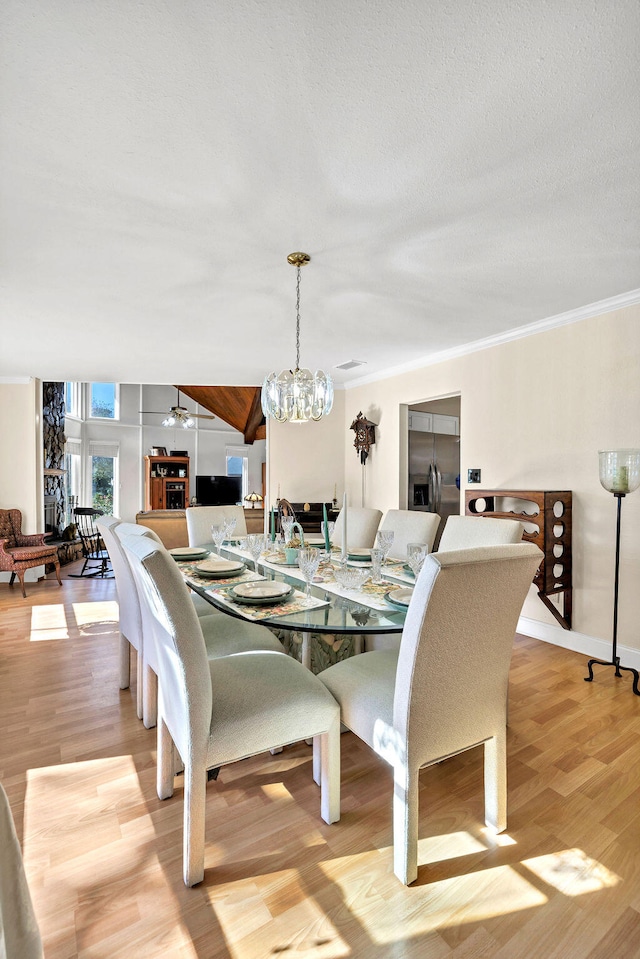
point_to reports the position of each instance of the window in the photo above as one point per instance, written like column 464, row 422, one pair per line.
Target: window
column 103, row 401
column 72, row 477
column 238, row 465
column 72, row 399
column 103, row 463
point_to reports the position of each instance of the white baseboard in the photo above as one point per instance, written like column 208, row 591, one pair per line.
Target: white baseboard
column 590, row 646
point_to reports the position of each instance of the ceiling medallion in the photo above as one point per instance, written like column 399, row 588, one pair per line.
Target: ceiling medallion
column 297, row 396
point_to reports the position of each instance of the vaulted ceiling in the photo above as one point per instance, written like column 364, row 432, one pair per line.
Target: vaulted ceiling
column 240, row 406
column 455, row 170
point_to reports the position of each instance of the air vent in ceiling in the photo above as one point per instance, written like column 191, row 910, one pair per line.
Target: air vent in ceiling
column 350, row 364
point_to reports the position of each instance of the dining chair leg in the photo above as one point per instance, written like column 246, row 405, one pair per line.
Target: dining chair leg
column 125, row 662
column 166, row 761
column 405, row 823
column 495, row 782
column 139, row 685
column 330, row 773
column 195, row 796
column 149, row 696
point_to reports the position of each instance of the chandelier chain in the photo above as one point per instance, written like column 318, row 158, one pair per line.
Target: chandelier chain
column 298, row 318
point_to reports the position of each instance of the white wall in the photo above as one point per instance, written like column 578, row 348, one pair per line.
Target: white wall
column 534, row 413
column 21, row 460
column 306, row 460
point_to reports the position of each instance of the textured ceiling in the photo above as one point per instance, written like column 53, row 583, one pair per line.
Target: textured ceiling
column 455, row 169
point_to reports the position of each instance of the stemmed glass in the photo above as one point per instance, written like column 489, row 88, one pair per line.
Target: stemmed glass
column 385, row 539
column 308, row 562
column 330, row 526
column 229, row 526
column 286, row 523
column 416, row 555
column 255, row 545
column 218, row 533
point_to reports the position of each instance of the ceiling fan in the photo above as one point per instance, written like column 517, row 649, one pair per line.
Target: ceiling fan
column 179, row 416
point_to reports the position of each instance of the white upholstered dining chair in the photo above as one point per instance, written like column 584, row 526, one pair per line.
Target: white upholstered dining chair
column 19, row 933
column 201, row 518
column 445, row 690
column 409, row 526
column 224, row 635
column 362, row 526
column 466, row 532
column 215, row 712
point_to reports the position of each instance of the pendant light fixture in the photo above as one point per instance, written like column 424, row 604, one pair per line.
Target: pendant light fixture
column 297, row 396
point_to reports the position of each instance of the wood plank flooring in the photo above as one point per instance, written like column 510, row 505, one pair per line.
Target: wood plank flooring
column 103, row 854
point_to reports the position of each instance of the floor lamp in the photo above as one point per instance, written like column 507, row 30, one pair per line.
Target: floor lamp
column 619, row 474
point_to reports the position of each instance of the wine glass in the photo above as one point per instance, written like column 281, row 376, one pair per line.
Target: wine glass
column 385, row 539
column 218, row 533
column 308, row 562
column 286, row 523
column 416, row 555
column 230, row 523
column 329, row 526
column 255, row 545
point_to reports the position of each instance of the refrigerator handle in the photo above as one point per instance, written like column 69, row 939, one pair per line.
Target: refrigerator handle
column 430, row 489
column 438, row 479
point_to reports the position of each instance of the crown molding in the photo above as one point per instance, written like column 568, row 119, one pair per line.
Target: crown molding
column 609, row 305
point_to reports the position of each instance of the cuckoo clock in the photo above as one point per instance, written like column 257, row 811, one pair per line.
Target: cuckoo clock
column 365, row 432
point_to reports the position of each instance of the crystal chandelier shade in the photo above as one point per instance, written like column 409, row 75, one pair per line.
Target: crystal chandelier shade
column 297, row 396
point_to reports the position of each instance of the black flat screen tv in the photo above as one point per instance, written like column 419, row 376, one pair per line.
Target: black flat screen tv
column 218, row 490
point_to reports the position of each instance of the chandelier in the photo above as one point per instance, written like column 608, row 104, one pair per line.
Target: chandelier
column 297, row 396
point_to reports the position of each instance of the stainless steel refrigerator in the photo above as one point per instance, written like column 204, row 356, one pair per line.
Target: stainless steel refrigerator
column 434, row 474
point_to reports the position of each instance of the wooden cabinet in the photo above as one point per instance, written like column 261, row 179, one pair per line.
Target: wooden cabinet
column 166, row 482
column 434, row 423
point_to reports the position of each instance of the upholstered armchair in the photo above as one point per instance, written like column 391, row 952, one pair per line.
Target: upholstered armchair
column 445, row 690
column 20, row 552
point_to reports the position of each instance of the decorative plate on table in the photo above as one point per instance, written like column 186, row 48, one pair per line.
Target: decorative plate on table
column 260, row 593
column 189, row 552
column 219, row 568
column 399, row 597
column 360, row 555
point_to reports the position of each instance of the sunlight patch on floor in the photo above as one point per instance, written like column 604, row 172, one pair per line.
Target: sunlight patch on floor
column 448, row 846
column 303, row 930
column 90, row 617
column 277, row 792
column 48, row 622
column 81, row 843
column 459, row 899
column 572, row 872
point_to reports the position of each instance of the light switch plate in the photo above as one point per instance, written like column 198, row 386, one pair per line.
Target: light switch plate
column 473, row 476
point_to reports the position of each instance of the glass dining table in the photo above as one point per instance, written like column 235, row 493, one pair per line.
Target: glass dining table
column 351, row 614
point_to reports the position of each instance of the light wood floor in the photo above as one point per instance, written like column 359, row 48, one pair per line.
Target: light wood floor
column 103, row 854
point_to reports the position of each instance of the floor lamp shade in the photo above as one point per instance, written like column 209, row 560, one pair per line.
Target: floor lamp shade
column 620, row 470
